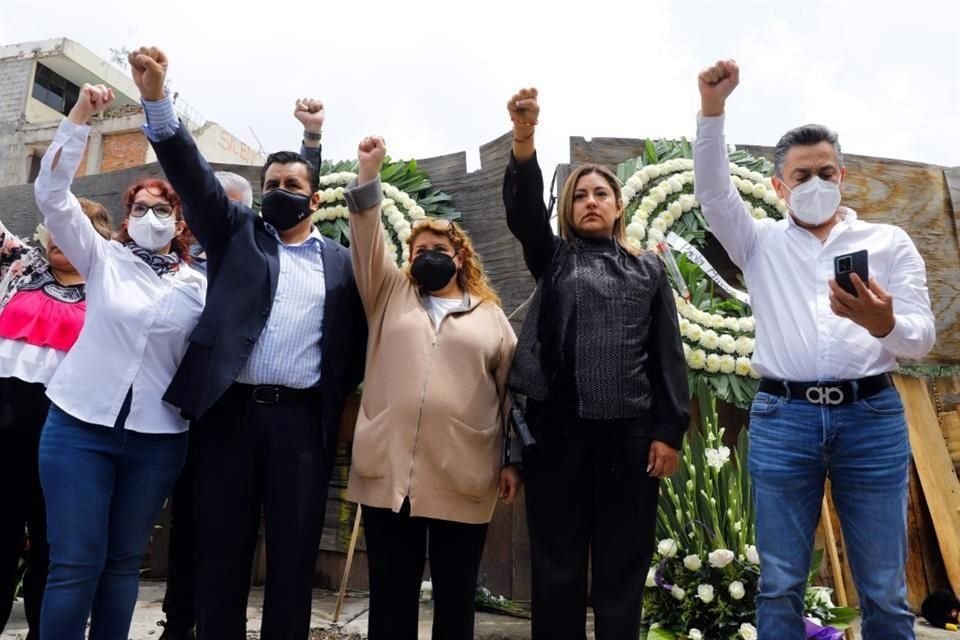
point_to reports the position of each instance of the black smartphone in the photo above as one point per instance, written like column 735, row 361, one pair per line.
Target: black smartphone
column 847, row 264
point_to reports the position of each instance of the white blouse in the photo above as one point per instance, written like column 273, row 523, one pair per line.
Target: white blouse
column 137, row 323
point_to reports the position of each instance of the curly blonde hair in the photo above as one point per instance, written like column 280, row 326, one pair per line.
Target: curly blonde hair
column 471, row 276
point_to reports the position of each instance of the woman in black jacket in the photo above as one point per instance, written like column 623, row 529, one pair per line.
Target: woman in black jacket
column 601, row 365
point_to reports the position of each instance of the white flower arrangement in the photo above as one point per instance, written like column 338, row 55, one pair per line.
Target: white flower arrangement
column 700, row 343
column 398, row 210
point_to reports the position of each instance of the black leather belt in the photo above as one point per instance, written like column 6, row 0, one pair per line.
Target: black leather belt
column 275, row 394
column 828, row 393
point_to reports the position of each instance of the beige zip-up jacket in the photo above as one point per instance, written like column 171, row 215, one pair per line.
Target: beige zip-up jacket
column 430, row 426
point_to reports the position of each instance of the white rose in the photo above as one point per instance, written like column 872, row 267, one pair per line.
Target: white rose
column 748, row 631
column 636, row 230
column 726, row 343
column 752, row 556
column 667, row 547
column 710, row 339
column 713, row 363
column 721, row 557
column 695, row 634
column 705, row 593
column 687, row 202
column 736, row 590
column 692, row 562
column 727, row 364
column 697, row 359
column 743, row 366
column 651, row 577
column 695, row 332
column 678, row 593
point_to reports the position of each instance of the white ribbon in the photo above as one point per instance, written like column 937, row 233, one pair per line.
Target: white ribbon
column 693, row 255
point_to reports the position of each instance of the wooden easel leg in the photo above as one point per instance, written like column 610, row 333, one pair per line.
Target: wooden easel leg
column 826, row 521
column 346, row 569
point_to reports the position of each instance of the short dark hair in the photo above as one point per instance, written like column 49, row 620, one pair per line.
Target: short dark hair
column 808, row 134
column 290, row 157
column 936, row 607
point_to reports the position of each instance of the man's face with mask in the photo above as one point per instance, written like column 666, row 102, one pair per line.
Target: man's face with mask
column 287, row 195
column 803, row 164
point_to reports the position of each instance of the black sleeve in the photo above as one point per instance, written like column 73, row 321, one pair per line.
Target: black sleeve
column 668, row 369
column 312, row 154
column 211, row 216
column 527, row 216
column 357, row 358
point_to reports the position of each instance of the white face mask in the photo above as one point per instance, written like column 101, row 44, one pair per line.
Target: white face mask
column 150, row 232
column 815, row 201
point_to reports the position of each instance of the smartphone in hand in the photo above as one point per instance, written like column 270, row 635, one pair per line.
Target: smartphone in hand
column 847, row 264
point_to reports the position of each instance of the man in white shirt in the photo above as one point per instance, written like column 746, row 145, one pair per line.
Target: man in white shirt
column 825, row 405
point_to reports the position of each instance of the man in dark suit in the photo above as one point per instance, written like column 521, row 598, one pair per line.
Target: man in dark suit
column 277, row 349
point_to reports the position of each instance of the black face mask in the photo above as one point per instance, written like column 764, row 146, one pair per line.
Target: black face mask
column 283, row 209
column 433, row 269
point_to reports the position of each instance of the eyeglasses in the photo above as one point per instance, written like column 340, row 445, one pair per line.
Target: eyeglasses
column 433, row 222
column 140, row 209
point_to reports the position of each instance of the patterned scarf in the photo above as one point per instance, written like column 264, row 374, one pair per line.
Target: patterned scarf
column 161, row 263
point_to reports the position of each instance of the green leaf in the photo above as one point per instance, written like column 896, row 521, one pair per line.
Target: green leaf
column 843, row 616
column 660, row 633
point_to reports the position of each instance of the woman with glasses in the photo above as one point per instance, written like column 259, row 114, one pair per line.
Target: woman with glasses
column 428, row 447
column 111, row 449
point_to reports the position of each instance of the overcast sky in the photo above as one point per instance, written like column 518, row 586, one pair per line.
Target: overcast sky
column 433, row 77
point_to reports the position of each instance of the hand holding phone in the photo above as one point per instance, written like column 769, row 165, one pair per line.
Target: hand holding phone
column 847, row 264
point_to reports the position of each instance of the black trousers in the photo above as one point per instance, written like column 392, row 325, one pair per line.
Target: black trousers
column 588, row 495
column 179, row 601
column 250, row 456
column 23, row 410
column 396, row 552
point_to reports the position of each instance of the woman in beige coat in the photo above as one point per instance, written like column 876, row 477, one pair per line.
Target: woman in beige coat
column 427, row 452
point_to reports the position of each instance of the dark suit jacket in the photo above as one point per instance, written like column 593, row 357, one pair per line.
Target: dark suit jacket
column 242, row 268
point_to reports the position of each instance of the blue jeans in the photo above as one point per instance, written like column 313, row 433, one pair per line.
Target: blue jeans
column 863, row 447
column 104, row 489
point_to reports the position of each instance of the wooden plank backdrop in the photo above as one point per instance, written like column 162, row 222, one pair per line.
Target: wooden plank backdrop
column 923, row 199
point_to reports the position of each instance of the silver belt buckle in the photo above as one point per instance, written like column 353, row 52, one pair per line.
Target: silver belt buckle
column 825, row 395
column 270, row 395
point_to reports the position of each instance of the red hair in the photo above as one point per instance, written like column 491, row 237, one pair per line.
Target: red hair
column 162, row 189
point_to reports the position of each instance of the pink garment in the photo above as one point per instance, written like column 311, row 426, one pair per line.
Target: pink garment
column 41, row 320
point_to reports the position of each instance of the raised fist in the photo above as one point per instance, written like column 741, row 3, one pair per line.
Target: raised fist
column 93, row 99
column 310, row 113
column 716, row 85
column 524, row 108
column 370, row 153
column 149, row 68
